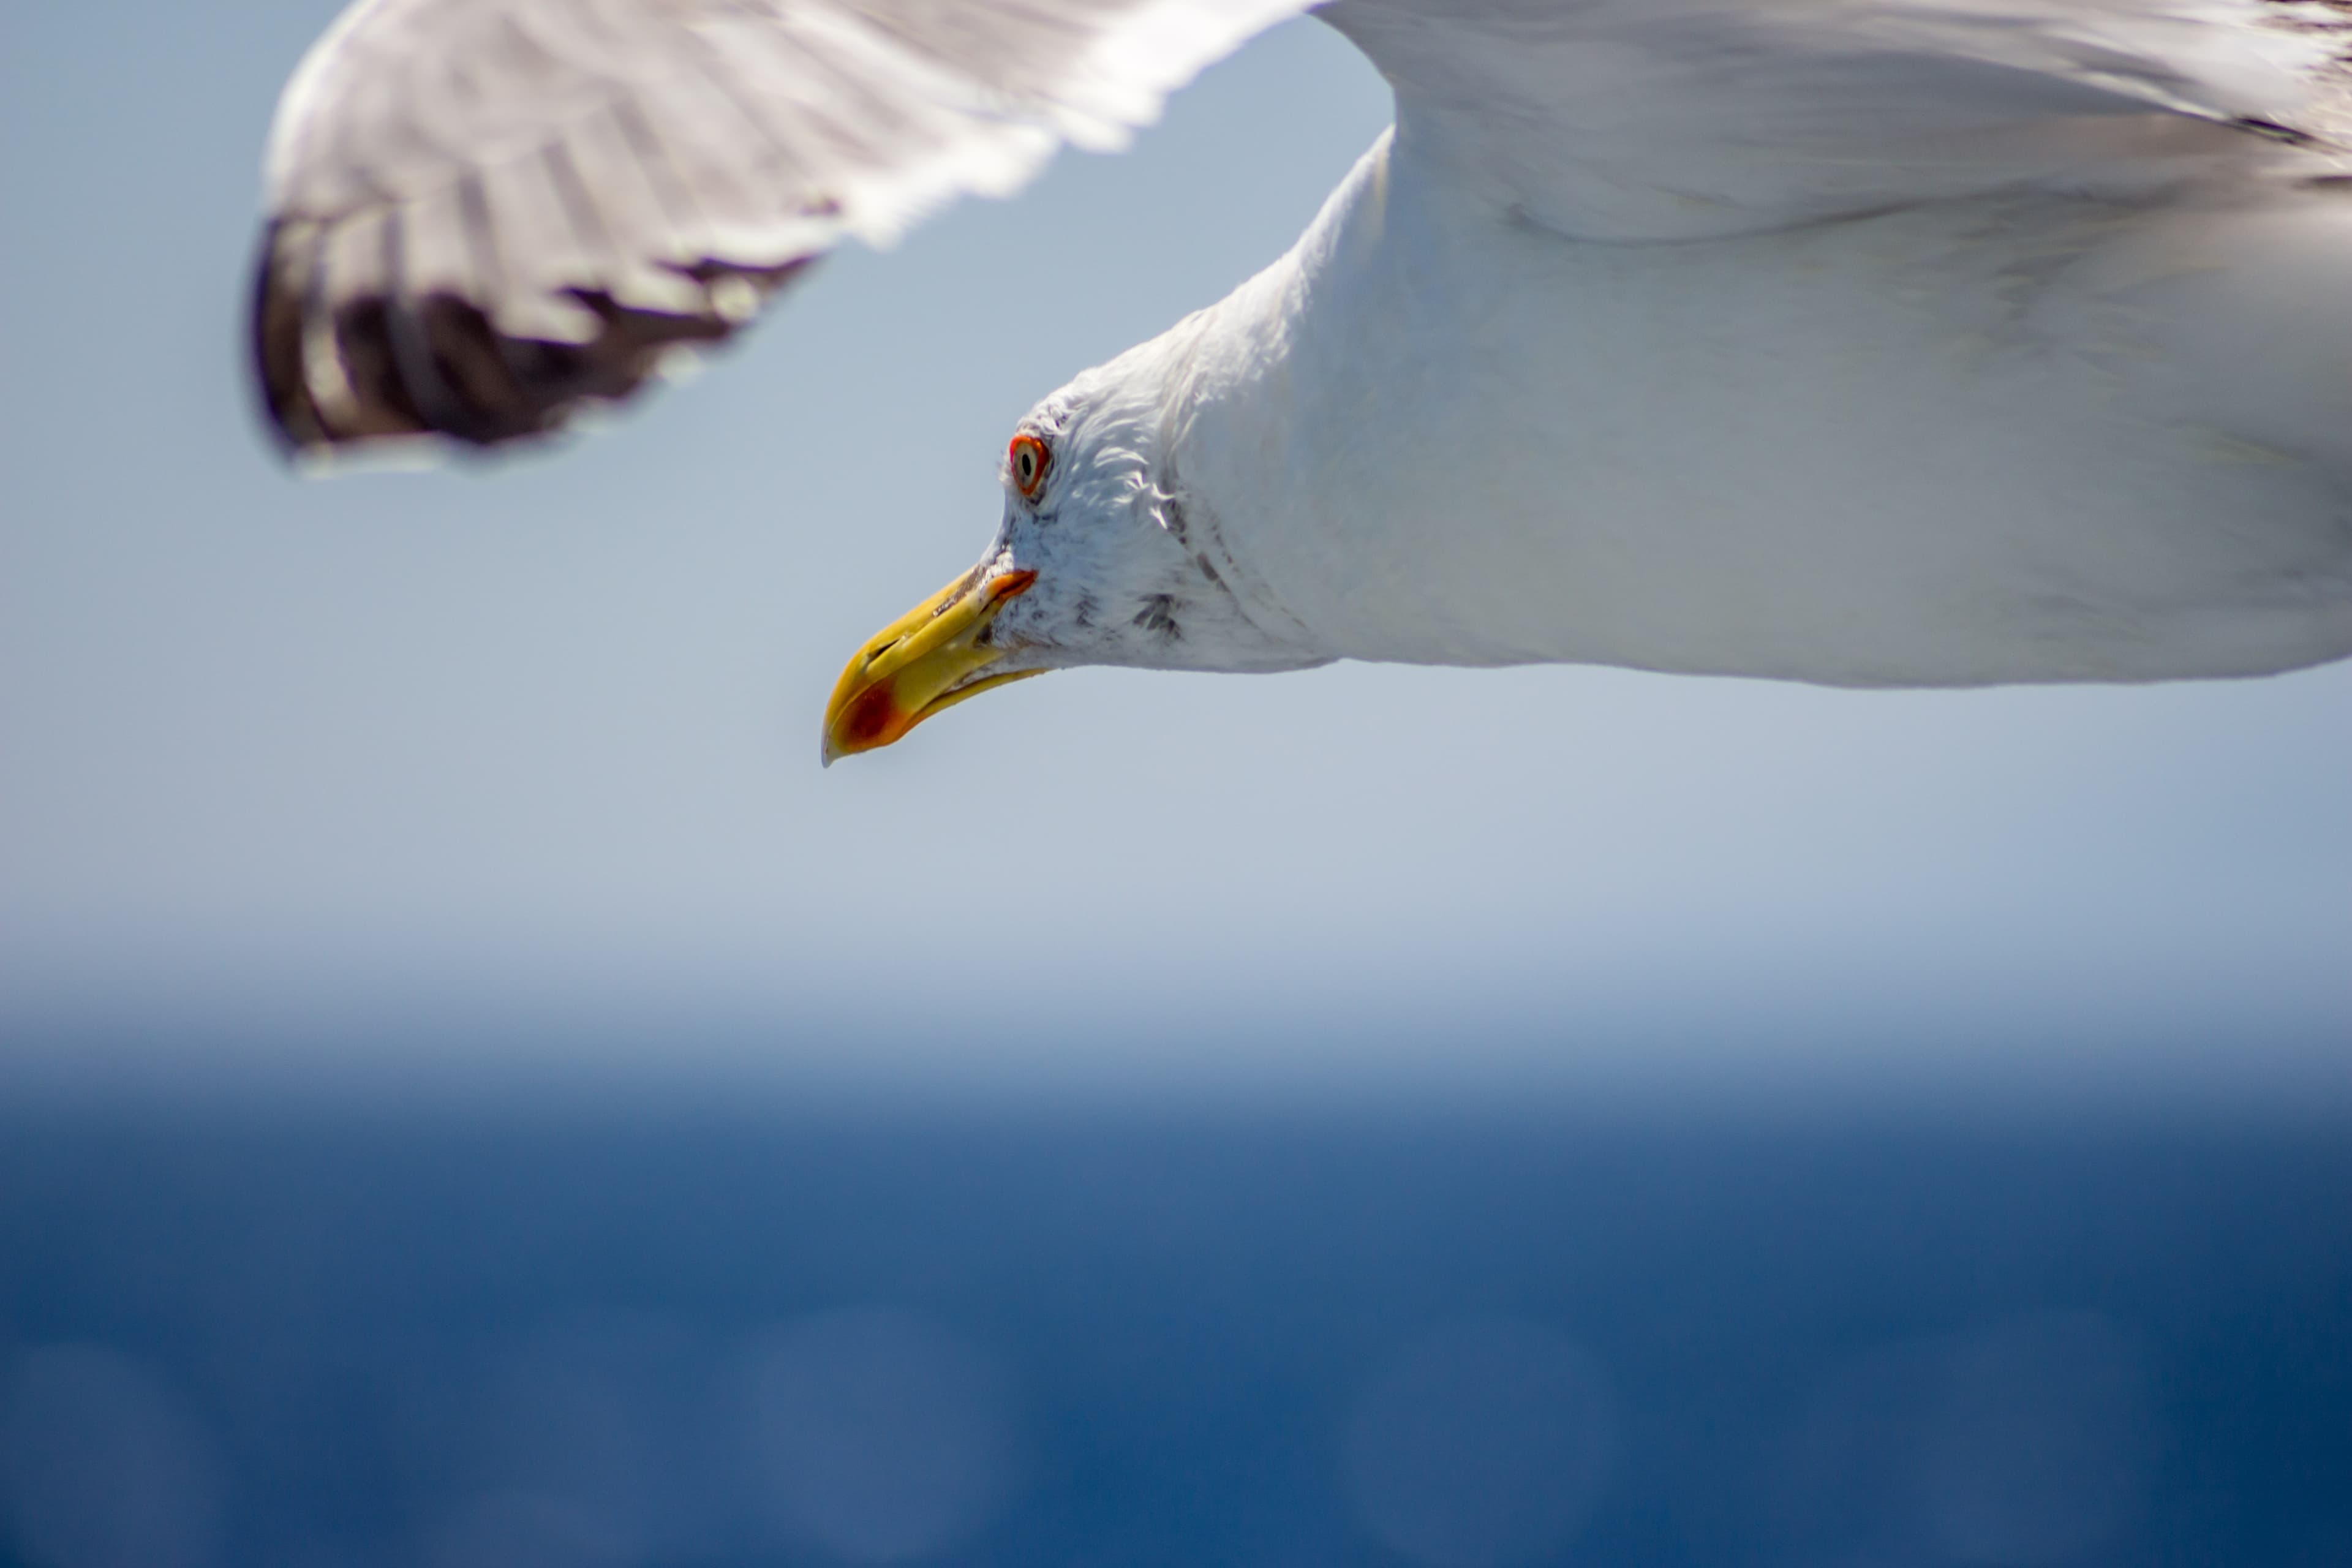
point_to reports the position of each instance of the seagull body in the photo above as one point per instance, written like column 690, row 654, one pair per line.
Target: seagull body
column 1960, row 443
column 1861, row 342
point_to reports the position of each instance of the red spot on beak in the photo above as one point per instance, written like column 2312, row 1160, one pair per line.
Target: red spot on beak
column 1011, row 585
column 871, row 718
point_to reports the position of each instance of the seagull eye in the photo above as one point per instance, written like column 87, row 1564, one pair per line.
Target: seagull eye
column 1027, row 457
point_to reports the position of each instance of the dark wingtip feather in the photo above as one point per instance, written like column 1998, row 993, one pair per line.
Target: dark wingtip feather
column 275, row 334
column 401, row 367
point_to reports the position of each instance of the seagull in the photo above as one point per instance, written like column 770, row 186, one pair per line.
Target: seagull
column 1866, row 342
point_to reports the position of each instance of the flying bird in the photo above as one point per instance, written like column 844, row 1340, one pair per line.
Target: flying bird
column 1873, row 342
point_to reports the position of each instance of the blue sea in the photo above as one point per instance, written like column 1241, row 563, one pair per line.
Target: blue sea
column 768, row 1328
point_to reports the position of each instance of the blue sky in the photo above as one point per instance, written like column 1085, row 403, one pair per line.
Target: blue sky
column 542, row 738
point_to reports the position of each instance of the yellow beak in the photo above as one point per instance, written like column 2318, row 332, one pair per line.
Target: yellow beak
column 921, row 663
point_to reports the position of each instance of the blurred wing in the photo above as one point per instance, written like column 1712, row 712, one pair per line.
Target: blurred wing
column 482, row 213
column 1646, row 120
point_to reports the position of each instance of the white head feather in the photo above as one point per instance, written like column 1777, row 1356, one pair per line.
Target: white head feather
column 1129, row 556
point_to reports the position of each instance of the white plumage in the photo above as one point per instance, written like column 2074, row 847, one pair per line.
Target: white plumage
column 1870, row 342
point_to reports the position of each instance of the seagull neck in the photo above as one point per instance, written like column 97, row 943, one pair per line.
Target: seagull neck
column 1219, row 375
column 1254, row 381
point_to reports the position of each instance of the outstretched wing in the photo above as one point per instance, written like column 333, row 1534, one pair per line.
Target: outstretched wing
column 1661, row 119
column 483, row 213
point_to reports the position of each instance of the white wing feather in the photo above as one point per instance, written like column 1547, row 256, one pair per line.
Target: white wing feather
column 1652, row 120
column 484, row 211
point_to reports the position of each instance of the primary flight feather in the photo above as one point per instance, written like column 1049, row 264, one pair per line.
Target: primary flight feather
column 1864, row 342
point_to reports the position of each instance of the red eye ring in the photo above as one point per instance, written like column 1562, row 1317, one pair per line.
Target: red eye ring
column 1026, row 460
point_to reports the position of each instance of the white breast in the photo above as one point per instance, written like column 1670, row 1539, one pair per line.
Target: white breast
column 2025, row 437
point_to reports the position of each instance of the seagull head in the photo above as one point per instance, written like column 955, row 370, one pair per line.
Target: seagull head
column 1103, row 556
